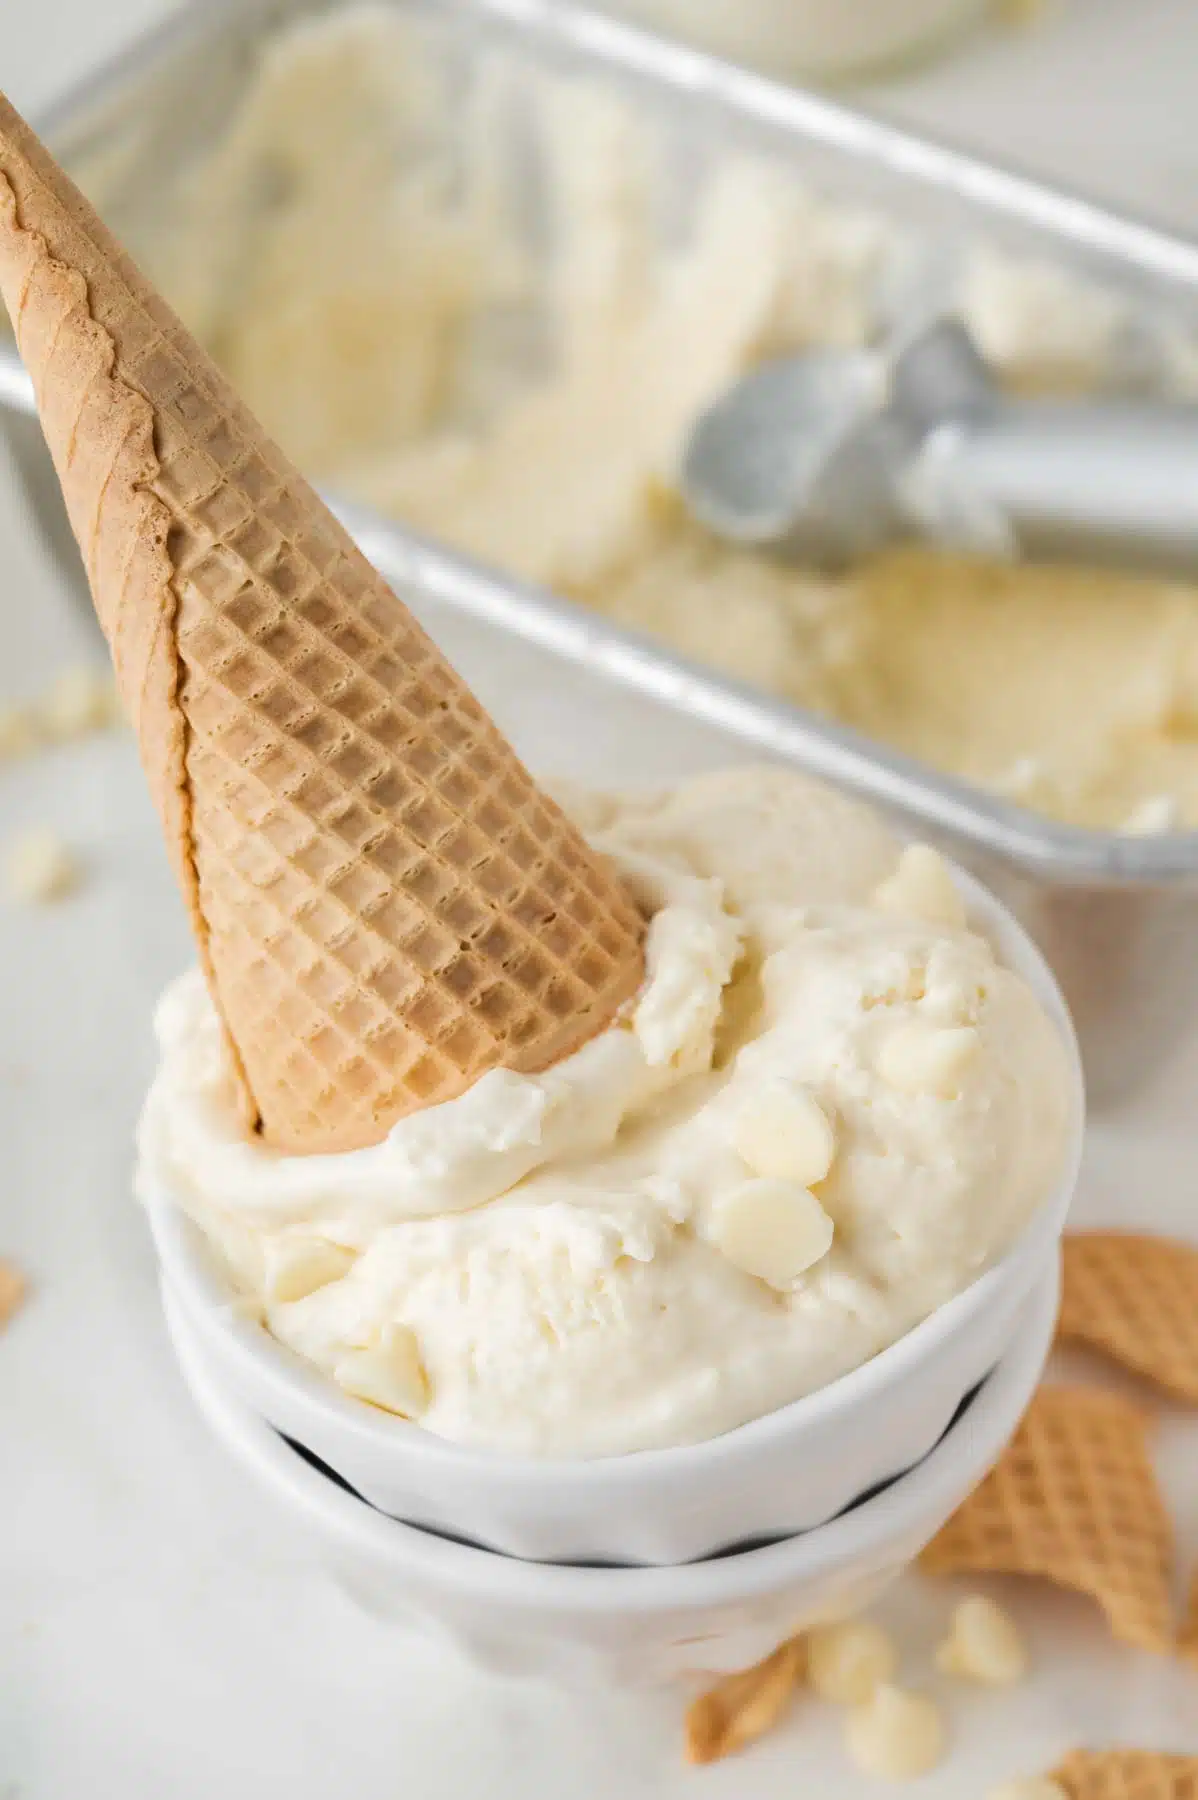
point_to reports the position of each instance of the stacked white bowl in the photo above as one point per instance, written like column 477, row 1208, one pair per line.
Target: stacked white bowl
column 641, row 1565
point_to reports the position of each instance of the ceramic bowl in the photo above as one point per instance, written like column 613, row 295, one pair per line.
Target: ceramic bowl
column 784, row 1473
column 627, row 1625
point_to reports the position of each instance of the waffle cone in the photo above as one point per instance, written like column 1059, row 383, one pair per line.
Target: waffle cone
column 385, row 904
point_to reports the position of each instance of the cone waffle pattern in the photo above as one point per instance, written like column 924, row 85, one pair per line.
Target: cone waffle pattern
column 386, row 906
column 1128, row 1775
column 1074, row 1499
column 1136, row 1299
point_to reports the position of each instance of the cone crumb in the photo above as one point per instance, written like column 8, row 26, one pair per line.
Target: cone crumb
column 742, row 1708
column 1127, row 1775
column 40, row 868
column 1189, row 1632
column 12, row 1291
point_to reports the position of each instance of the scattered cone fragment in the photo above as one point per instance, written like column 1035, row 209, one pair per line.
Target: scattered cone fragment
column 12, row 1292
column 1135, row 1299
column 743, row 1707
column 385, row 904
column 1189, row 1632
column 1074, row 1500
column 1128, row 1775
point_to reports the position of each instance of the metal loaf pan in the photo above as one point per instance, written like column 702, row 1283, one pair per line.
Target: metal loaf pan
column 1116, row 915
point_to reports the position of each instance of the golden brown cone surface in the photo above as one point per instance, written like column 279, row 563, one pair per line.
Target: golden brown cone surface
column 1189, row 1629
column 1073, row 1499
column 1128, row 1775
column 1136, row 1299
column 386, row 905
column 743, row 1707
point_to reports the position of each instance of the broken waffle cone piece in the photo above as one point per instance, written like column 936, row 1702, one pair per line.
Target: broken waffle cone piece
column 1135, row 1299
column 12, row 1292
column 1188, row 1644
column 743, row 1707
column 1074, row 1500
column 386, row 905
column 1128, row 1775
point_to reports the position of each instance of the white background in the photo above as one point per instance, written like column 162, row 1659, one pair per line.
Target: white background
column 160, row 1633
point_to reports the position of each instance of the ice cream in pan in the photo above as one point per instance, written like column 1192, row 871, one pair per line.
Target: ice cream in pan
column 450, row 296
column 568, row 1135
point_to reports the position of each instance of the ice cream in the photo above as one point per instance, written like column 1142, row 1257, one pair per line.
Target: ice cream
column 828, row 1108
column 494, row 307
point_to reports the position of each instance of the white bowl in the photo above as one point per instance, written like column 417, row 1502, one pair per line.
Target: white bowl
column 787, row 1472
column 629, row 1625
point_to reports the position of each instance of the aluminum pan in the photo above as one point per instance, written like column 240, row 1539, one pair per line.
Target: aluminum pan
column 929, row 182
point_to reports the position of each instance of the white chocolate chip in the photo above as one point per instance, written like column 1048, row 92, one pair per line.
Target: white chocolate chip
column 772, row 1229
column 783, row 1132
column 296, row 1267
column 846, row 1662
column 17, row 734
column 921, row 1058
column 1029, row 1787
column 983, row 1644
column 39, row 868
column 390, row 1374
column 896, row 1734
column 922, row 888
column 78, row 701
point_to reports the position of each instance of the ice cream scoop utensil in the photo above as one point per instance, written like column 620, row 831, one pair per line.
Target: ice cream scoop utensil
column 830, row 455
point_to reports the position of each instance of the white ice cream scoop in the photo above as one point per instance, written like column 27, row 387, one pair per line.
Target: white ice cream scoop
column 829, row 455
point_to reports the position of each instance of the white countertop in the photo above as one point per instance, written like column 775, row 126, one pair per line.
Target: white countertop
column 160, row 1633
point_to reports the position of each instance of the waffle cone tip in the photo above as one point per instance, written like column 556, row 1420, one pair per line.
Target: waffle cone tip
column 385, row 904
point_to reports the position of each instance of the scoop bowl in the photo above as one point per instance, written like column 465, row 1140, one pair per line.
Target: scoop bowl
column 788, row 1472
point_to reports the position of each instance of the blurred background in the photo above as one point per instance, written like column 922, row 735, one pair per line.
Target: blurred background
column 1090, row 92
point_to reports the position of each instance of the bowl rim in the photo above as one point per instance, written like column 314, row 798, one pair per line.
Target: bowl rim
column 192, row 1269
column 933, row 1487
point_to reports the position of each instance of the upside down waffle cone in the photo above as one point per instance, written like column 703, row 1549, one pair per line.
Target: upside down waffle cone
column 386, row 906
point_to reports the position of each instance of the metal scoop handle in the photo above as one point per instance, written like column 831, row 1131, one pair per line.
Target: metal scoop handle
column 1109, row 483
column 828, row 455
